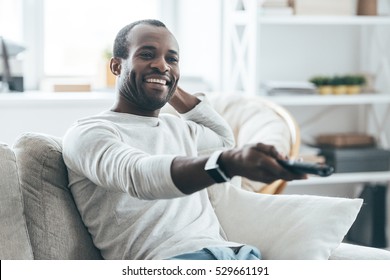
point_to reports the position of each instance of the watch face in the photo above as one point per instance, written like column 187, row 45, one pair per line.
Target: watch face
column 217, row 175
column 212, row 168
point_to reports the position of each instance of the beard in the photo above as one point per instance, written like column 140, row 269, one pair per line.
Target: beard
column 137, row 95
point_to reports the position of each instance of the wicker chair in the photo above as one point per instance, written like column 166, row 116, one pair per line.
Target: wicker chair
column 257, row 119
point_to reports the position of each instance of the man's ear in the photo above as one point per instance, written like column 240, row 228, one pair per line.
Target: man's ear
column 115, row 66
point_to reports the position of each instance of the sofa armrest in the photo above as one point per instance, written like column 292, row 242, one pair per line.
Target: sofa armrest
column 14, row 237
column 55, row 227
column 284, row 226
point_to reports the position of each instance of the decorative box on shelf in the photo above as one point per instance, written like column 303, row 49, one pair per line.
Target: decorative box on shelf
column 353, row 152
column 328, row 7
column 364, row 159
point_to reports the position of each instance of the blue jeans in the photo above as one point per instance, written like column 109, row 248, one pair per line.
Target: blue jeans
column 245, row 252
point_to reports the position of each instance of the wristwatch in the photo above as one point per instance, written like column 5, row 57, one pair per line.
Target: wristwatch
column 214, row 170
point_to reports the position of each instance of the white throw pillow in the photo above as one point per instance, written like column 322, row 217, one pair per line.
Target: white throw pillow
column 284, row 227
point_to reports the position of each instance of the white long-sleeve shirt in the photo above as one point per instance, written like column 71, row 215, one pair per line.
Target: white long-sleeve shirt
column 119, row 174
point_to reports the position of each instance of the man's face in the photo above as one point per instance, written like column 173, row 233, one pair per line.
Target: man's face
column 150, row 74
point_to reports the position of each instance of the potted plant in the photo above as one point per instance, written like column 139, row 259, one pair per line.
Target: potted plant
column 322, row 83
column 354, row 83
column 338, row 85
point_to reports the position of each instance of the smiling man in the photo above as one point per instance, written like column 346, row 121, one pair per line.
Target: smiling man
column 136, row 175
column 147, row 68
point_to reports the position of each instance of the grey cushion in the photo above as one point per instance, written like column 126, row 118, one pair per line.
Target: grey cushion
column 54, row 224
column 14, row 240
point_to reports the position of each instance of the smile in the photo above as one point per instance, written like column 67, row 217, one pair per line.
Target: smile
column 157, row 81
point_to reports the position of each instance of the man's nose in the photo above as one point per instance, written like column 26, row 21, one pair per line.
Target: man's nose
column 160, row 64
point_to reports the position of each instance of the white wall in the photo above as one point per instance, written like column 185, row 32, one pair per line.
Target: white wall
column 198, row 30
column 52, row 116
column 300, row 52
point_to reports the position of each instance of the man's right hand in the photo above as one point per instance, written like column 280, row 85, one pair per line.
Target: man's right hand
column 257, row 162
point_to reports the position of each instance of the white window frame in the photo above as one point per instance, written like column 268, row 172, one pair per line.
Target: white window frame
column 33, row 36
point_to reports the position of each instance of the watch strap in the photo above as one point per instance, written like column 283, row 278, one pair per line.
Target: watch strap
column 214, row 170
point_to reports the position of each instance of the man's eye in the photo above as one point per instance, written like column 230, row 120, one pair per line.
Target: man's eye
column 173, row 59
column 146, row 55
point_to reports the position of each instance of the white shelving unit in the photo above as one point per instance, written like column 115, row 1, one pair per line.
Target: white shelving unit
column 373, row 120
column 247, row 64
column 327, row 100
column 325, row 20
column 243, row 26
column 345, row 178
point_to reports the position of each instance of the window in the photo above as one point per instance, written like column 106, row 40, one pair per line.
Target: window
column 68, row 38
column 77, row 34
column 10, row 20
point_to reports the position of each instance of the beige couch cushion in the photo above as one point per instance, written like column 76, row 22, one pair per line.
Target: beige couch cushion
column 14, row 240
column 54, row 224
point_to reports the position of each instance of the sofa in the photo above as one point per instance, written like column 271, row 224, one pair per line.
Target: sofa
column 39, row 219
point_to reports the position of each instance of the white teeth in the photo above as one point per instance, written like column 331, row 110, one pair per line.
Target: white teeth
column 157, row 81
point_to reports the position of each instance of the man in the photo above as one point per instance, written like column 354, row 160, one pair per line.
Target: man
column 137, row 177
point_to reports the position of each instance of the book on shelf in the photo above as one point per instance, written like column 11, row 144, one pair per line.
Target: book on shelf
column 288, row 87
column 274, row 3
column 276, row 7
column 287, row 11
column 345, row 140
column 328, row 7
column 66, row 85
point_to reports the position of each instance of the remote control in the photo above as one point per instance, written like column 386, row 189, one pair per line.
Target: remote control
column 322, row 170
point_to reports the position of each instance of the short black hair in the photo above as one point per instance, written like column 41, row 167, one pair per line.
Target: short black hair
column 121, row 43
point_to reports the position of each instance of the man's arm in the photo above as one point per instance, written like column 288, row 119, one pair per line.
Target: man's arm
column 256, row 162
column 208, row 129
